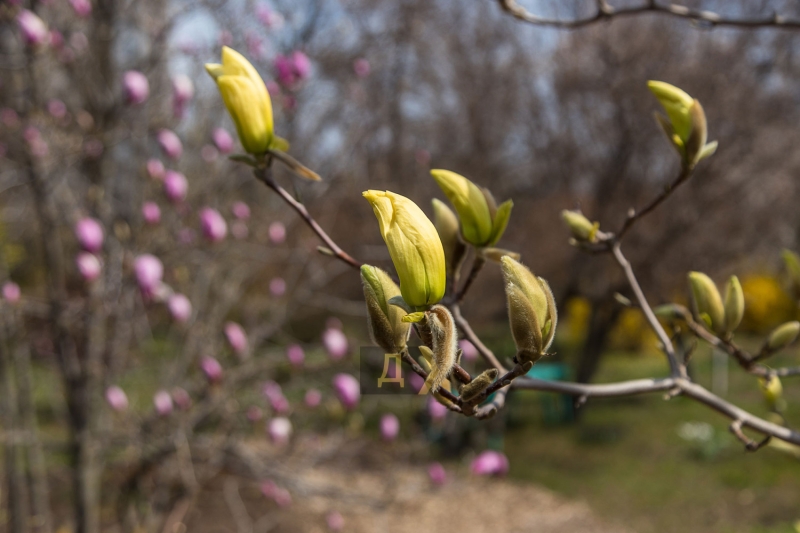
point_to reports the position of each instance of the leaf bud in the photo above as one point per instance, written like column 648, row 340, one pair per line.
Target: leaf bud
column 783, row 336
column 708, row 306
column 474, row 388
column 582, row 229
column 734, row 304
column 385, row 323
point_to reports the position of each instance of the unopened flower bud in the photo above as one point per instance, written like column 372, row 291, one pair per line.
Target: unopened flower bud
column 474, row 388
column 151, row 213
column 279, row 430
column 792, row 262
column 531, row 311
column 708, row 306
column 180, row 308
column 390, row 427
column 277, row 232
column 312, row 398
column 170, row 143
column 88, row 265
column 236, row 337
column 136, row 87
column 34, row 30
column 347, row 390
column 446, row 223
column 82, row 8
column 163, row 403
column 149, row 272
column 89, row 233
column 295, row 355
column 734, row 304
column 213, row 225
column 11, row 292
column 175, row 186
column 490, row 463
column 384, row 320
column 211, row 369
column 335, row 342
column 772, row 389
column 444, row 344
column 222, row 140
column 783, row 336
column 582, row 229
column 437, row 474
column 116, row 398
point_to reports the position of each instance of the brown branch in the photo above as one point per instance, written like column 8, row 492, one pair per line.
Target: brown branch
column 477, row 265
column 418, row 370
column 634, row 216
column 606, row 12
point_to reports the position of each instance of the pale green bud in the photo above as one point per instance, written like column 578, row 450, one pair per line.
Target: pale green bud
column 581, row 228
column 708, row 306
column 734, row 304
column 772, row 389
column 446, row 223
column 792, row 262
column 385, row 321
column 474, row 388
column 783, row 336
column 531, row 310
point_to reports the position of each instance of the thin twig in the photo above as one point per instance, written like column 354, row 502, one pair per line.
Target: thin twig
column 634, row 216
column 477, row 265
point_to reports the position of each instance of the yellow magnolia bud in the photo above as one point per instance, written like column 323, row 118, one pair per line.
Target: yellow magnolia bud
column 792, row 262
column 385, row 321
column 580, row 226
column 247, row 100
column 677, row 104
column 734, row 304
column 708, row 306
column 771, row 388
column 446, row 224
column 414, row 247
column 482, row 221
column 783, row 336
column 531, row 311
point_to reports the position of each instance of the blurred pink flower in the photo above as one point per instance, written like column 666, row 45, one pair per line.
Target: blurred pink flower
column 180, row 308
column 279, row 404
column 361, row 67
column 468, row 350
column 390, row 427
column 170, row 144
column 136, row 87
column 490, row 463
column 302, row 65
column 209, row 153
column 335, row 521
column 31, row 134
column 254, row 413
column 236, row 337
column 89, row 233
column 57, row 109
column 241, row 210
column 9, row 117
column 151, row 212
column 282, row 497
column 279, row 430
column 211, row 368
column 182, row 94
column 56, row 39
column 239, row 230
column 436, row 410
column 295, row 354
column 347, row 389
column 149, row 272
column 33, row 29
column 175, row 186
column 415, row 381
column 292, row 69
column 269, row 18
column 277, row 286
column 83, row 8
column 437, row 474
column 155, row 169
column 11, row 292
column 313, row 398
column 423, row 157
column 116, row 398
column 162, row 402
column 335, row 343
column 277, row 232
column 181, row 398
column 79, row 41
column 213, row 225
column 270, row 390
column 222, row 140
column 88, row 265
column 225, row 38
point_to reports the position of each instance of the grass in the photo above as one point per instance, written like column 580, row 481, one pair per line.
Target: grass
column 625, row 457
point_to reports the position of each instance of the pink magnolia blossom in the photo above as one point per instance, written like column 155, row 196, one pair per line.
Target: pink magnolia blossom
column 279, row 404
column 270, row 390
column 335, row 521
column 490, row 463
column 390, row 427
column 34, row 30
column 292, row 69
column 181, row 398
column 11, row 292
column 88, row 265
column 163, row 403
column 151, row 212
column 241, row 210
column 155, row 169
column 437, row 474
column 116, row 398
column 135, row 87
column 213, row 224
column 436, row 410
column 82, row 8
column 347, row 389
column 236, row 337
column 170, row 143
column 149, row 271
column 180, row 308
column 269, row 18
column 295, row 354
column 57, row 109
column 468, row 350
column 211, row 369
column 56, row 39
column 277, row 232
column 222, row 140
column 277, row 286
column 175, row 186
column 182, row 94
column 279, row 430
column 312, row 398
column 361, row 67
column 89, row 233
column 335, row 343
column 282, row 497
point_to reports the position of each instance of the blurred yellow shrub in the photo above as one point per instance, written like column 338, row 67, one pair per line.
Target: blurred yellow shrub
column 766, row 303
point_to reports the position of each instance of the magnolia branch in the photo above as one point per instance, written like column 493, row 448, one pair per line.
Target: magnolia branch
column 606, row 12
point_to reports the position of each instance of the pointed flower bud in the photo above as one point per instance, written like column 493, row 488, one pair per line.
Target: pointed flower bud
column 490, row 463
column 734, row 304
column 89, row 233
column 482, row 221
column 446, row 223
column 390, row 427
column 385, row 321
column 414, row 246
column 33, row 29
column 474, row 388
column 246, row 98
column 783, row 336
column 347, row 389
column 88, row 265
column 686, row 127
column 772, row 389
column 437, row 474
column 531, row 310
column 136, row 87
column 444, row 345
column 170, row 143
column 708, row 307
column 180, row 308
column 582, row 229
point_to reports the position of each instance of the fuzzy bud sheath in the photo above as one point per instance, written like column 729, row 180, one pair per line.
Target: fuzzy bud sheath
column 444, row 345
